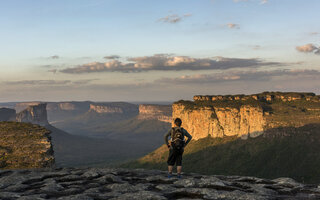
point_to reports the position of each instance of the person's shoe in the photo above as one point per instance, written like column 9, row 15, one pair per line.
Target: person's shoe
column 169, row 175
column 179, row 176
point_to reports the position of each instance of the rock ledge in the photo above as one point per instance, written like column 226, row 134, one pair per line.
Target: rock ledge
column 105, row 183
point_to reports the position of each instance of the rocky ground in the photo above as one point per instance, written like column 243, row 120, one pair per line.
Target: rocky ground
column 104, row 183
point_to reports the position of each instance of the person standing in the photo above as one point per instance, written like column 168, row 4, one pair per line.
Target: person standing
column 176, row 146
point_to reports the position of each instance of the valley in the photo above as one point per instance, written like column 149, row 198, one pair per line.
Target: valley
column 93, row 134
column 261, row 135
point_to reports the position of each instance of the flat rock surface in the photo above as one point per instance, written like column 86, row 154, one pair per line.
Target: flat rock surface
column 106, row 183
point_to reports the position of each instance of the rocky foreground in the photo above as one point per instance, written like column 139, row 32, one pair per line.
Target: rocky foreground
column 104, row 183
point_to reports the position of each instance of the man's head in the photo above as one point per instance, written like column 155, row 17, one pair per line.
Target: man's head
column 178, row 122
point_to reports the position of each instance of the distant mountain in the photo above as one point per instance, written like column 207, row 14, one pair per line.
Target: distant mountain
column 121, row 121
column 94, row 114
column 35, row 114
column 60, row 111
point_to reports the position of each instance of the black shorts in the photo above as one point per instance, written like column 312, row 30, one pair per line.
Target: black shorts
column 175, row 157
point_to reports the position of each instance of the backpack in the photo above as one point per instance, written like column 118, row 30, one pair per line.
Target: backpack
column 177, row 139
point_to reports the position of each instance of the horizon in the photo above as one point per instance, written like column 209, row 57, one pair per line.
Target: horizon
column 151, row 102
column 108, row 50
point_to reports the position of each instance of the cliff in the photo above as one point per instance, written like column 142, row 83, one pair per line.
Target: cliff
column 7, row 114
column 66, row 106
column 36, row 114
column 105, row 183
column 221, row 121
column 72, row 106
column 158, row 112
column 24, row 105
column 246, row 115
column 105, row 109
column 24, row 145
column 114, row 108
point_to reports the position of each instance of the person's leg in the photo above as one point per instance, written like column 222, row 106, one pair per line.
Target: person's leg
column 179, row 164
column 179, row 169
column 170, row 162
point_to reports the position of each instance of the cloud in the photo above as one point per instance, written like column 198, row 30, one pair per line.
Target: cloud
column 233, row 26
column 314, row 33
column 256, row 47
column 53, row 71
column 165, row 62
column 38, row 82
column 174, row 18
column 112, row 57
column 308, row 48
column 54, row 57
column 248, row 75
column 83, row 81
column 48, row 82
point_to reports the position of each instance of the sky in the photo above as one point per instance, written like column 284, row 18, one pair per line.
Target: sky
column 143, row 50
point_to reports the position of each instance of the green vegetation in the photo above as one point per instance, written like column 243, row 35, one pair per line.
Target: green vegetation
column 293, row 113
column 193, row 105
column 300, row 103
column 286, row 152
column 288, row 94
column 24, row 145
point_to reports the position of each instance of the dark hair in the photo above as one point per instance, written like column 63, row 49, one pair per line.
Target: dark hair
column 178, row 122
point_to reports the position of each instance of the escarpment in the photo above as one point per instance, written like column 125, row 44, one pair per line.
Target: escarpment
column 158, row 112
column 36, row 114
column 105, row 109
column 246, row 115
column 25, row 145
column 24, row 105
column 114, row 108
column 220, row 121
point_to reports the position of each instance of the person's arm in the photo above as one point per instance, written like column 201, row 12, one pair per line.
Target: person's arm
column 188, row 136
column 166, row 138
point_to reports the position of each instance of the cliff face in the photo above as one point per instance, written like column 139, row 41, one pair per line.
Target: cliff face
column 7, row 114
column 220, row 121
column 243, row 115
column 114, row 108
column 158, row 112
column 25, row 146
column 105, row 109
column 36, row 114
column 66, row 106
column 24, row 105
